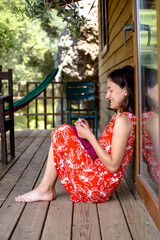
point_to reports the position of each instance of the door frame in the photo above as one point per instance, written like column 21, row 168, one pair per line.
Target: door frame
column 143, row 188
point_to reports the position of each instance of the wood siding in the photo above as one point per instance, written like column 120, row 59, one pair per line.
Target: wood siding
column 118, row 55
column 120, row 13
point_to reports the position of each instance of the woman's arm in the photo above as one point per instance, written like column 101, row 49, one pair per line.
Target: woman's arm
column 151, row 127
column 122, row 129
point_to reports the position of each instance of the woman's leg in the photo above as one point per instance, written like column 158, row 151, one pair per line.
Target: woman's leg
column 46, row 189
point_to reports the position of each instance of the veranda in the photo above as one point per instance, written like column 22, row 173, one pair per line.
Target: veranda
column 123, row 217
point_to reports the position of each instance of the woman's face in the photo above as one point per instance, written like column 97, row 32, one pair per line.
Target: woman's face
column 115, row 95
column 153, row 93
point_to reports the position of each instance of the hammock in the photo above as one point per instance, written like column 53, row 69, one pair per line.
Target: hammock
column 33, row 94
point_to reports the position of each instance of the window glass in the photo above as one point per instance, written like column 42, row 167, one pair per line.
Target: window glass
column 104, row 19
column 148, row 93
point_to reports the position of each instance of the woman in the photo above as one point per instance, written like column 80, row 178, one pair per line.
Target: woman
column 150, row 122
column 86, row 179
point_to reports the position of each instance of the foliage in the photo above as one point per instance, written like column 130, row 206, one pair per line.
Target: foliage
column 41, row 9
column 28, row 47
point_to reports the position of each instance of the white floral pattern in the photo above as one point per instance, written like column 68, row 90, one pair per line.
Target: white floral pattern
column 87, row 180
column 149, row 152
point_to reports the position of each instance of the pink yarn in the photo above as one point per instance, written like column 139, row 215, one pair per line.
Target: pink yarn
column 86, row 145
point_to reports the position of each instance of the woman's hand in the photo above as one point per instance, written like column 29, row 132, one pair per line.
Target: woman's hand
column 82, row 120
column 83, row 128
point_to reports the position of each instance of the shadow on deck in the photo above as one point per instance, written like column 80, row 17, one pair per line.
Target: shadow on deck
column 123, row 217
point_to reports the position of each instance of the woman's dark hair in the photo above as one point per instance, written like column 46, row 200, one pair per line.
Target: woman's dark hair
column 149, row 79
column 124, row 77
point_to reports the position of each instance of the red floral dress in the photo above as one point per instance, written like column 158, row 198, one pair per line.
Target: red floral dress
column 84, row 179
column 149, row 152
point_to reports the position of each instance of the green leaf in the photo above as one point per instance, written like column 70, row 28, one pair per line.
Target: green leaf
column 28, row 2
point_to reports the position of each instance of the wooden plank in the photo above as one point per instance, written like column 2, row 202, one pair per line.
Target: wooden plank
column 31, row 222
column 121, row 55
column 122, row 15
column 59, row 218
column 85, row 222
column 21, row 145
column 117, row 18
column 111, row 7
column 139, row 221
column 9, row 180
column 112, row 220
column 117, row 38
column 103, row 76
column 115, row 49
column 20, row 132
column 11, row 211
column 21, row 135
column 17, row 141
column 25, row 142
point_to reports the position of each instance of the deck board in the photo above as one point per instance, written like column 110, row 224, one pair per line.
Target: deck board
column 122, row 217
column 59, row 218
column 111, row 215
column 136, row 215
column 22, row 177
column 22, row 142
column 85, row 222
column 32, row 221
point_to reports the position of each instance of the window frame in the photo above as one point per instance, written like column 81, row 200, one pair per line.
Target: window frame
column 143, row 188
column 103, row 26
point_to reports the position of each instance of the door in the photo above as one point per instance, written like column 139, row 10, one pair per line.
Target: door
column 147, row 104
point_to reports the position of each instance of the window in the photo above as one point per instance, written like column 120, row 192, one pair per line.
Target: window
column 148, row 105
column 104, row 24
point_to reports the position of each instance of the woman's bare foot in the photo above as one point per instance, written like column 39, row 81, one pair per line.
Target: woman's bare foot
column 37, row 195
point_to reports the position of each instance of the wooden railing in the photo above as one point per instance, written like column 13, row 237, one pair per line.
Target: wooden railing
column 44, row 105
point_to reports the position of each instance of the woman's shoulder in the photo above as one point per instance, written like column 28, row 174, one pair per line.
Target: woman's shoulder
column 148, row 114
column 128, row 114
column 126, row 117
column 130, row 117
column 152, row 119
column 125, row 121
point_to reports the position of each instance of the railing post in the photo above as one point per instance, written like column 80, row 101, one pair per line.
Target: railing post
column 53, row 120
column 45, row 110
column 36, row 106
column 27, row 107
column 61, row 92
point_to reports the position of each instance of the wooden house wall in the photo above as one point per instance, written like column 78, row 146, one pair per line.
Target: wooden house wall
column 120, row 13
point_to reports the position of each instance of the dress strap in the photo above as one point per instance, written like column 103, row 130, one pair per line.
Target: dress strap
column 128, row 114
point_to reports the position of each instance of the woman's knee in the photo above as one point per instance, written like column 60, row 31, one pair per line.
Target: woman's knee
column 64, row 128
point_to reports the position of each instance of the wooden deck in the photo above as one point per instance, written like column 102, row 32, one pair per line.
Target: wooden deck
column 124, row 217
